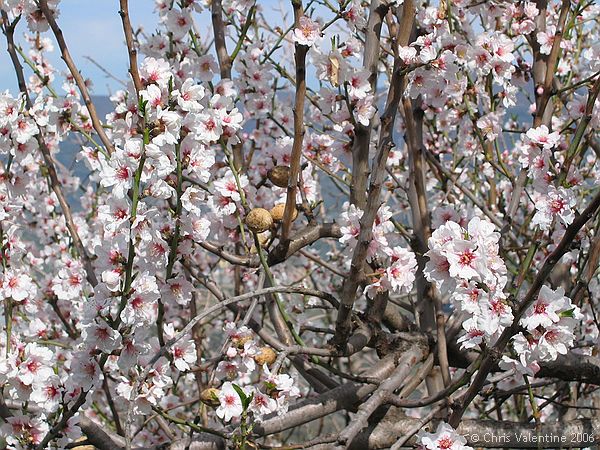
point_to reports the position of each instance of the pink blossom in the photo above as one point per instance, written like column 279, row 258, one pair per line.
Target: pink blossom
column 307, row 33
column 230, row 403
column 444, row 438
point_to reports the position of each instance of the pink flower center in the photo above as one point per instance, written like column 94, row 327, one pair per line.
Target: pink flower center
column 540, row 308
column 210, row 125
column 260, row 400
column 123, row 173
column 551, row 336
column 74, row 280
column 176, row 288
column 475, row 333
column 33, row 366
column 102, row 334
column 445, row 442
column 137, row 302
column 158, row 249
column 557, row 205
column 120, row 213
column 466, row 258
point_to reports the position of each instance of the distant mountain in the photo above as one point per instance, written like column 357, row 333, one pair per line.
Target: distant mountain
column 71, row 147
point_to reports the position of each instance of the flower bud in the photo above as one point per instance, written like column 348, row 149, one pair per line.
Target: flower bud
column 259, row 220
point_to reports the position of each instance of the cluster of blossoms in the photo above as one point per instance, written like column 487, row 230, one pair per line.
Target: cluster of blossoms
column 31, row 371
column 550, row 202
column 164, row 212
column 245, row 361
column 168, row 130
column 465, row 264
column 36, row 21
column 550, row 324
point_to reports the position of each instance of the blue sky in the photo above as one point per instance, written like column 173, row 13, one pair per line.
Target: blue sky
column 92, row 28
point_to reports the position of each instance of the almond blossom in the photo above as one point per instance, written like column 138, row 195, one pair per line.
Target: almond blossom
column 18, row 286
column 230, row 403
column 557, row 203
column 444, row 438
column 308, row 32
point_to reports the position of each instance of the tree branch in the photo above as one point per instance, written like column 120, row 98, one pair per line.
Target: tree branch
column 343, row 326
column 128, row 31
column 300, row 59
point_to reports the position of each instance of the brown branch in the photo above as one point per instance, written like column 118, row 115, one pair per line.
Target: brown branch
column 322, row 263
column 303, row 238
column 591, row 266
column 220, row 45
column 98, row 437
column 105, row 71
column 112, row 406
column 131, row 50
column 72, row 332
column 428, row 308
column 66, row 56
column 479, row 433
column 343, row 325
column 551, row 65
column 406, row 362
column 300, row 59
column 229, row 257
column 281, row 253
column 572, row 367
column 569, row 367
column 574, row 146
column 362, row 134
column 200, row 441
column 543, row 74
column 340, row 398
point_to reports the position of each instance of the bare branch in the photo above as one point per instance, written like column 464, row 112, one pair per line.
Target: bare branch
column 362, row 134
column 388, row 118
column 300, row 59
column 133, row 65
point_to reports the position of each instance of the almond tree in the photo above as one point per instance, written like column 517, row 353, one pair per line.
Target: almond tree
column 360, row 225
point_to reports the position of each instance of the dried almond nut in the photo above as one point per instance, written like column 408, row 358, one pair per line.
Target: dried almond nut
column 84, row 447
column 279, row 175
column 259, row 220
column 265, row 355
column 278, row 210
column 210, row 397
